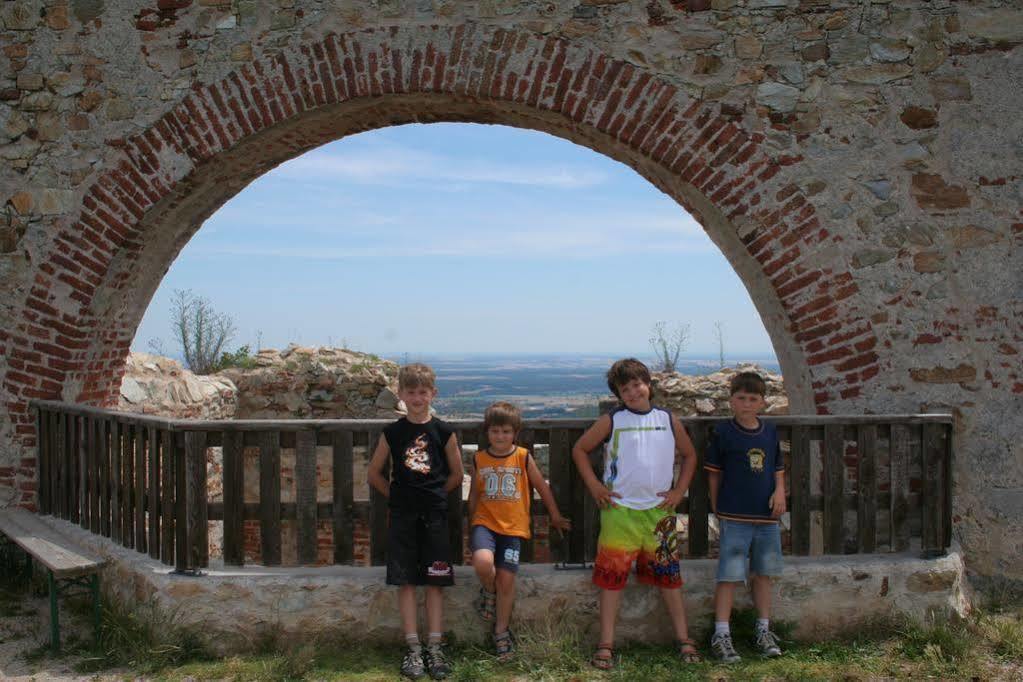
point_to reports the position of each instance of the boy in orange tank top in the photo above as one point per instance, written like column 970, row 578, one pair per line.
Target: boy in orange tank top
column 502, row 487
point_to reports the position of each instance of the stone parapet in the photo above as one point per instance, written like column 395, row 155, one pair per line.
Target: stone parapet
column 233, row 607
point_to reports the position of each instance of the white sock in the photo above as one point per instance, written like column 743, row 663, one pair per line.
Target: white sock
column 721, row 628
column 433, row 639
column 762, row 624
column 413, row 642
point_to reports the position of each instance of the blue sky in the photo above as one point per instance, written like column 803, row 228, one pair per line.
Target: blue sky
column 459, row 238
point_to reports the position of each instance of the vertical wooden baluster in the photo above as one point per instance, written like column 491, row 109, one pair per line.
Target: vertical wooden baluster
column 234, row 498
column 181, row 553
column 270, row 497
column 560, row 457
column 377, row 509
column 834, row 489
column 344, row 502
column 699, row 496
column 866, row 437
column 139, row 497
column 800, row 483
column 899, row 485
column 305, row 496
column 932, row 493
column 102, row 436
column 116, row 481
column 94, row 430
column 153, row 470
column 128, row 498
column 195, row 499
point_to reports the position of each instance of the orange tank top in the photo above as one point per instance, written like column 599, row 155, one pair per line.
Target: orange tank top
column 504, row 493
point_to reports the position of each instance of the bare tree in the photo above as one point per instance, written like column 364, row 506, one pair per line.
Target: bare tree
column 668, row 344
column 719, row 336
column 202, row 331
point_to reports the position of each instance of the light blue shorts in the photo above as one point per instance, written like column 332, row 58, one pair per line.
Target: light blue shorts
column 760, row 543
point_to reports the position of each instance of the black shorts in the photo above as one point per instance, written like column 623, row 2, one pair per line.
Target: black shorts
column 419, row 549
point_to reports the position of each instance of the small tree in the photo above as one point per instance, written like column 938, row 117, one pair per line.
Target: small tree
column 668, row 344
column 202, row 331
column 719, row 336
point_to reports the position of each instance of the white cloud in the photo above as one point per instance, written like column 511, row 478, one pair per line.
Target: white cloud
column 394, row 165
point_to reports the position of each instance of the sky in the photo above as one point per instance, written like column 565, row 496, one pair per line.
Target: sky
column 459, row 238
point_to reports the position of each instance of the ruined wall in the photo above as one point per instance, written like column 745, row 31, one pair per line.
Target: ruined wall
column 858, row 163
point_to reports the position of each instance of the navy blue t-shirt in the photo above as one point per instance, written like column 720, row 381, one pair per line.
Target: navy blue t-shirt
column 748, row 460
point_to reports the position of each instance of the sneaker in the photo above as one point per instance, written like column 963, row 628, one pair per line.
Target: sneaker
column 767, row 644
column 504, row 646
column 436, row 662
column 412, row 665
column 722, row 648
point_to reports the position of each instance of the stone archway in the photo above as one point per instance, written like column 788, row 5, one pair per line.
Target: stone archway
column 853, row 303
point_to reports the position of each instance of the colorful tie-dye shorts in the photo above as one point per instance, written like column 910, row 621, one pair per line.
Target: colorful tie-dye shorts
column 646, row 536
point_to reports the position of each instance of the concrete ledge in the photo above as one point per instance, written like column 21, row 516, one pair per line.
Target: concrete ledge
column 824, row 595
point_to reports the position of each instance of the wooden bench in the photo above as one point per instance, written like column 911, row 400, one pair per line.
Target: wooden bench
column 67, row 566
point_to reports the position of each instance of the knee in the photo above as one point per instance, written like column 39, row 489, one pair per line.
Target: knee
column 483, row 562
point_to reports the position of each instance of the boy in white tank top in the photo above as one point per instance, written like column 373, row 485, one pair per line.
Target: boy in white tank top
column 637, row 501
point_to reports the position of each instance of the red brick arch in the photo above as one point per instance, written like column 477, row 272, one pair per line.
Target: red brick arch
column 155, row 189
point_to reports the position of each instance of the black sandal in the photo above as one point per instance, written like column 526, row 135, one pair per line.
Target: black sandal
column 688, row 652
column 504, row 645
column 603, row 661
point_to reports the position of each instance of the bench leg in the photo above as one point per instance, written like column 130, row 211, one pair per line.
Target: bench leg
column 94, row 585
column 54, row 622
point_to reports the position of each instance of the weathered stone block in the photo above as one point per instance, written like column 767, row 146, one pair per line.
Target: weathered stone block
column 932, row 191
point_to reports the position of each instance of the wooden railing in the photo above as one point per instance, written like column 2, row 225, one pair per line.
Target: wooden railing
column 856, row 484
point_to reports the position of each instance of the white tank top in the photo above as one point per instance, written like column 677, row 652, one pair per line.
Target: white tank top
column 640, row 458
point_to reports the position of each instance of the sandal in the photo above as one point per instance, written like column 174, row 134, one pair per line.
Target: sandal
column 504, row 645
column 486, row 604
column 688, row 652
column 603, row 657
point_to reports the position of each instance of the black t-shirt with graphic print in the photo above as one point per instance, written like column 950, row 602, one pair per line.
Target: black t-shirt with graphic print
column 419, row 467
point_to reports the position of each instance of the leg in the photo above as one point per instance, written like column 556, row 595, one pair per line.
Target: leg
column 483, row 562
column 724, row 597
column 675, row 602
column 610, row 601
column 407, row 609
column 505, row 599
column 762, row 595
column 434, row 609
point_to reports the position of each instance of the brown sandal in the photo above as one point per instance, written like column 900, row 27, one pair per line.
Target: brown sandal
column 603, row 657
column 688, row 652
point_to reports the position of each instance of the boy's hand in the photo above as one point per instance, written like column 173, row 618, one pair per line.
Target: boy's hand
column 777, row 503
column 603, row 497
column 671, row 499
column 560, row 523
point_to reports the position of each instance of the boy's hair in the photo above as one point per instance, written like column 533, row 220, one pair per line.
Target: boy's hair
column 625, row 370
column 503, row 414
column 415, row 375
column 748, row 382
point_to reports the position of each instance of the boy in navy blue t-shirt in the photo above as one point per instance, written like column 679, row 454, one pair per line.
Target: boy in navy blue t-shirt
column 747, row 493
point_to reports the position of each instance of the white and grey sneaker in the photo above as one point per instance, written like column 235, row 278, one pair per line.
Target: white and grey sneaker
column 412, row 665
column 723, row 649
column 767, row 644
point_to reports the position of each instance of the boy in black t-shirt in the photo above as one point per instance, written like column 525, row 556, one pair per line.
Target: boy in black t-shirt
column 426, row 465
column 746, row 478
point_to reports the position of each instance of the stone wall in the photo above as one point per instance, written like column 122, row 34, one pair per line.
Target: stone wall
column 858, row 164
column 707, row 394
column 153, row 384
column 822, row 596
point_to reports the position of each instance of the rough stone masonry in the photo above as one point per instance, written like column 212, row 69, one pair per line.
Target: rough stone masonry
column 858, row 162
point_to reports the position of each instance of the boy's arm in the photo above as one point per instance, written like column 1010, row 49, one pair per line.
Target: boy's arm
column 376, row 466
column 777, row 501
column 474, row 492
column 454, row 455
column 684, row 449
column 713, row 485
column 593, row 437
column 537, row 480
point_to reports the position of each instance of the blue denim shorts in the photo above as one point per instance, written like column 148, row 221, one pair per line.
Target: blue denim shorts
column 760, row 543
column 506, row 548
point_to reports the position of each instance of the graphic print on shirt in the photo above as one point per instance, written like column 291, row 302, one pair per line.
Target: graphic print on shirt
column 417, row 458
column 613, row 466
column 501, row 483
column 756, row 460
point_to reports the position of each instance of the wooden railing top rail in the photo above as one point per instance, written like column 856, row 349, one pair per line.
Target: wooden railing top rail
column 360, row 424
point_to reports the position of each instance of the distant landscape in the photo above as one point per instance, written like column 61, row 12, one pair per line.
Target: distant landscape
column 543, row 385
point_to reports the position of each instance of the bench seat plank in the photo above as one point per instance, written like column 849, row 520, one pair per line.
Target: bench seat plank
column 56, row 553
